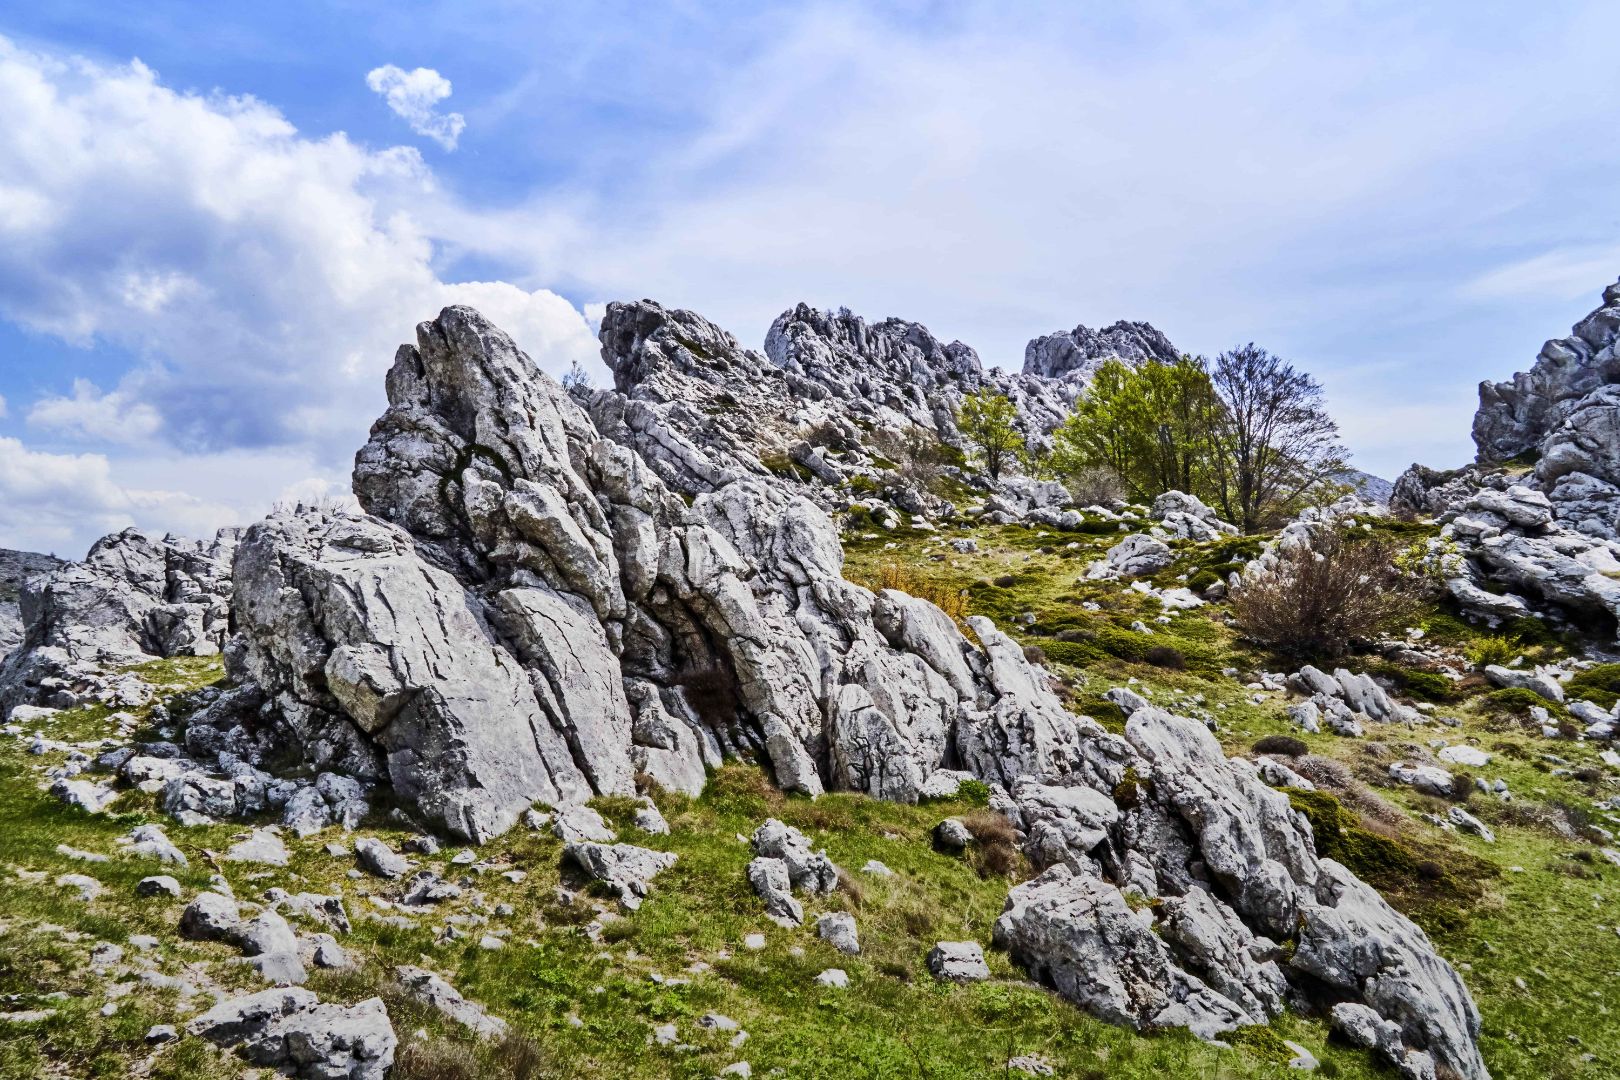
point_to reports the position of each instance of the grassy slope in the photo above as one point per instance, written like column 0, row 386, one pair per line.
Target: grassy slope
column 590, row 1007
column 1537, row 905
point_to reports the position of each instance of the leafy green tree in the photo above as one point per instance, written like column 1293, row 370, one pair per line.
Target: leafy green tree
column 986, row 419
column 1153, row 426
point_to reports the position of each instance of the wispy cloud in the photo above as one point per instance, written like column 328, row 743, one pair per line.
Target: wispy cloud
column 414, row 95
column 1566, row 273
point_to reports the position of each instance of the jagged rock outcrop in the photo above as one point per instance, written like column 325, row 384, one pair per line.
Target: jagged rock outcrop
column 1564, row 413
column 295, row 1033
column 1082, row 351
column 528, row 610
column 16, row 568
column 830, row 401
column 131, row 600
column 531, row 614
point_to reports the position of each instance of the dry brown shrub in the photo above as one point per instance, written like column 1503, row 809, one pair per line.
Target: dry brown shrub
column 900, row 577
column 1320, row 598
column 994, row 852
column 431, row 1059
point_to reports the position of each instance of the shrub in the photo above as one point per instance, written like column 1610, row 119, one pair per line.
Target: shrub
column 779, row 464
column 1035, row 654
column 1599, row 684
column 995, row 848
column 1515, row 703
column 423, row 1059
column 1424, row 685
column 1203, row 580
column 1128, row 792
column 1322, row 596
column 1286, row 745
column 1491, row 650
column 1095, row 486
column 1124, row 644
column 1340, row 836
column 898, row 576
column 976, row 792
column 1165, row 656
column 1005, row 581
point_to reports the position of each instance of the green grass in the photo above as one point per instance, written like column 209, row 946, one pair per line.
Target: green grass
column 1541, row 904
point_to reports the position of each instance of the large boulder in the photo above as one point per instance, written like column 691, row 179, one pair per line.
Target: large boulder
column 293, row 1032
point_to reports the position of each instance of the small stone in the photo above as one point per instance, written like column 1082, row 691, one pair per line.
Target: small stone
column 158, row 885
column 89, row 888
column 958, row 961
column 161, row 1033
column 838, row 930
column 754, row 942
column 837, row 978
column 952, row 835
column 378, row 858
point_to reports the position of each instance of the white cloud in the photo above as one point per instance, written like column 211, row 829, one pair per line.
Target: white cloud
column 60, row 502
column 414, row 95
column 1569, row 273
column 4, row 411
column 95, row 416
column 265, row 278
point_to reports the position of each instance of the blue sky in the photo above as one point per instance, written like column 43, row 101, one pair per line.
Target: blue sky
column 217, row 221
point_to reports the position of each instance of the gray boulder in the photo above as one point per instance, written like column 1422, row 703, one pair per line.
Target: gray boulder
column 627, row 869
column 958, row 961
column 293, row 1032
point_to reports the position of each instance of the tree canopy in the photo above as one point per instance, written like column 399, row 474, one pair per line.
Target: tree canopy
column 986, row 419
column 1249, row 434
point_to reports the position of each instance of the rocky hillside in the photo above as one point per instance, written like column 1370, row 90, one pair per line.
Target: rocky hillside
column 692, row 728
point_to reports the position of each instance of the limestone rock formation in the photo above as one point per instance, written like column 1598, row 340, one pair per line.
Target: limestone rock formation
column 133, row 598
column 542, row 598
column 1564, row 413
column 1082, row 351
column 16, row 568
column 295, row 1033
column 812, row 412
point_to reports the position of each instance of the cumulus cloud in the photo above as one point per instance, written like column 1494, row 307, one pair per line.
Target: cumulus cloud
column 414, row 96
column 96, row 416
column 262, row 278
column 59, row 502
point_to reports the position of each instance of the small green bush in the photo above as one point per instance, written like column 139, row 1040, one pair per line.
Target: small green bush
column 1492, row 650
column 1203, row 580
column 1073, row 653
column 976, row 792
column 1516, row 703
column 1125, row 644
column 1340, row 835
column 1263, row 1043
column 1600, row 685
column 1424, row 685
column 1165, row 656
